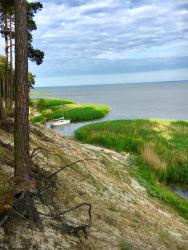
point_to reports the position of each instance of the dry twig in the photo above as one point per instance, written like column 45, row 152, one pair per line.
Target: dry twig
column 67, row 166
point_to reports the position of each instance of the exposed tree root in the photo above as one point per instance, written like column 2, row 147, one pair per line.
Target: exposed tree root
column 24, row 207
column 47, row 187
column 4, row 220
column 69, row 165
column 35, row 151
column 76, row 207
column 67, row 228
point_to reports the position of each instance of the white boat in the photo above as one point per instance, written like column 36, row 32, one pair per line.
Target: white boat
column 59, row 122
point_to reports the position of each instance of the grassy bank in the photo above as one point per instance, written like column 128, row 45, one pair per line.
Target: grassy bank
column 50, row 109
column 161, row 148
column 39, row 93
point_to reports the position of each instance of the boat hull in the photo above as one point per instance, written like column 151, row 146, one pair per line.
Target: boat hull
column 60, row 123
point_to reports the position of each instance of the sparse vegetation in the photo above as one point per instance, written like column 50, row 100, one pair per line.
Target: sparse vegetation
column 123, row 245
column 5, row 192
column 50, row 109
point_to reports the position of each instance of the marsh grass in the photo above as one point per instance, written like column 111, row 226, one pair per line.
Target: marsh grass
column 50, row 109
column 161, row 148
column 48, row 103
column 149, row 154
column 163, row 145
column 147, row 178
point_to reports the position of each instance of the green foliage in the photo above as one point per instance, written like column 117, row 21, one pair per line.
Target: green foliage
column 42, row 104
column 53, row 115
column 31, row 79
column 157, row 190
column 56, row 108
column 166, row 143
column 38, row 119
column 161, row 148
column 123, row 245
column 35, row 55
column 85, row 113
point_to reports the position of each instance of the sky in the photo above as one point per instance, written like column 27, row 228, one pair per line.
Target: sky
column 111, row 41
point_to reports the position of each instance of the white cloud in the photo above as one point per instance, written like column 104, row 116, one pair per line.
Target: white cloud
column 75, row 33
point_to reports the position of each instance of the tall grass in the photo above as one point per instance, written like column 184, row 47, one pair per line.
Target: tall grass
column 163, row 145
column 50, row 109
column 149, row 154
column 47, row 103
column 157, row 190
column 160, row 147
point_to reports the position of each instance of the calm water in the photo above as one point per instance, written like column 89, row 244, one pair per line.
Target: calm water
column 181, row 191
column 128, row 101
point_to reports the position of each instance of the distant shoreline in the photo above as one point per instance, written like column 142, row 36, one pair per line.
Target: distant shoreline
column 108, row 84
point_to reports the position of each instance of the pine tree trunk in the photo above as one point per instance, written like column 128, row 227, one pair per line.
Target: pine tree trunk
column 11, row 68
column 21, row 127
column 1, row 104
column 6, row 62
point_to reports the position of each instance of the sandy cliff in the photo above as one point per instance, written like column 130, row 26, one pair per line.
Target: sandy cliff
column 123, row 215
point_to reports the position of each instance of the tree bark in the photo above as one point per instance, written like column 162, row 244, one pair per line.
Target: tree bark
column 21, row 127
column 6, row 62
column 1, row 104
column 11, row 68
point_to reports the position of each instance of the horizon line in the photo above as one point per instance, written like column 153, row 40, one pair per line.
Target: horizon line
column 78, row 85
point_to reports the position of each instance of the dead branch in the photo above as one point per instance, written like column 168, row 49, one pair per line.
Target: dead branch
column 4, row 220
column 67, row 166
column 35, row 150
column 71, row 228
column 76, row 207
column 75, row 229
column 51, row 214
column 54, row 212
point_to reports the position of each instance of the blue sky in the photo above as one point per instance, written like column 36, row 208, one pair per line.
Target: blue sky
column 112, row 41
